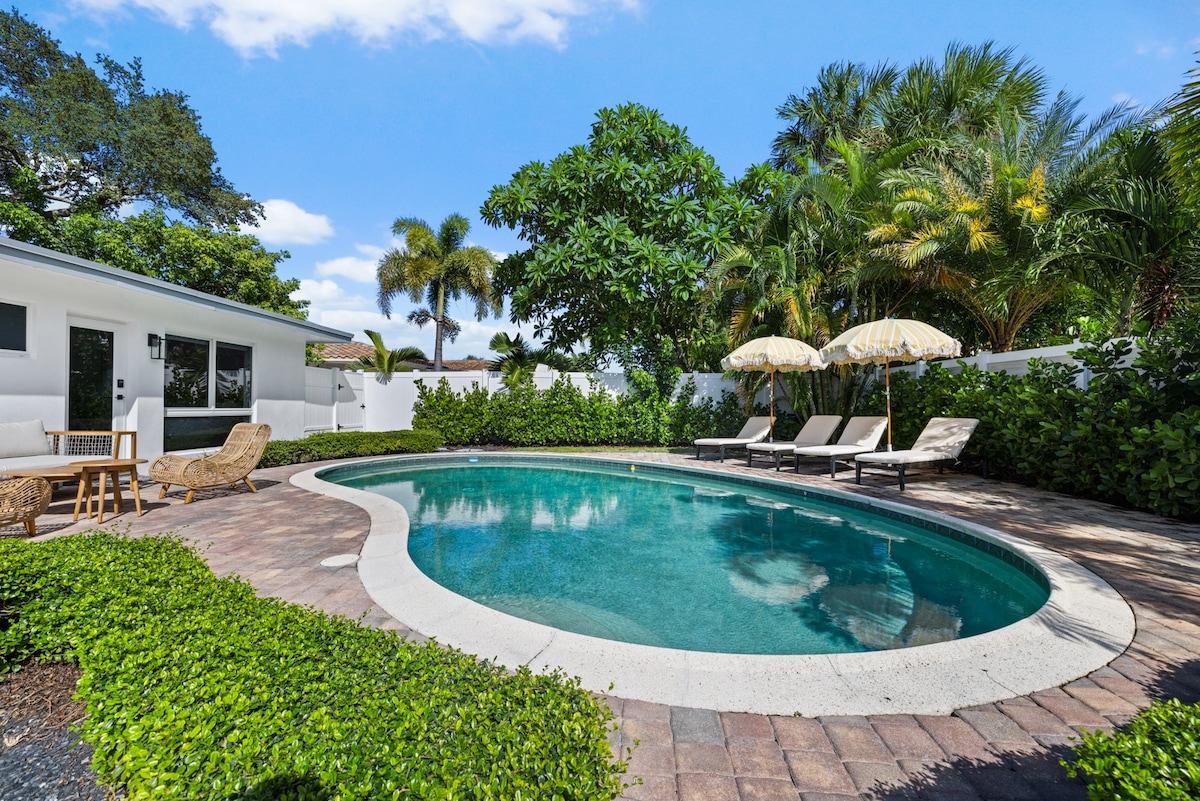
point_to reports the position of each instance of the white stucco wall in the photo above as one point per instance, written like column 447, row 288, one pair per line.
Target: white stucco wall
column 33, row 385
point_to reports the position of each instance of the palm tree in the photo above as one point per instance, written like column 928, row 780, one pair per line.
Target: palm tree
column 384, row 361
column 438, row 267
column 518, row 360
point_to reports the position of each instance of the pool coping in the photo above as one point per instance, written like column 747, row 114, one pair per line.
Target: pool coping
column 1083, row 626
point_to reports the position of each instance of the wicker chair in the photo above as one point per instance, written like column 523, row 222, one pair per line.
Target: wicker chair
column 22, row 500
column 233, row 463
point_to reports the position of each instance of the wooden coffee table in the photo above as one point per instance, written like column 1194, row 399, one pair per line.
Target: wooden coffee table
column 102, row 469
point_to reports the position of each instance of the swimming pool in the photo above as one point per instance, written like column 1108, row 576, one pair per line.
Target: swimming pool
column 1082, row 626
column 660, row 559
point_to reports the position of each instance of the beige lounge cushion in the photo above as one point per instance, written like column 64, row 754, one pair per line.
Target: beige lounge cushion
column 862, row 434
column 755, row 430
column 27, row 438
column 943, row 439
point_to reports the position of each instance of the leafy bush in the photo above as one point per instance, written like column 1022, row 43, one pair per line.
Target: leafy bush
column 565, row 415
column 1155, row 758
column 346, row 444
column 1132, row 437
column 196, row 688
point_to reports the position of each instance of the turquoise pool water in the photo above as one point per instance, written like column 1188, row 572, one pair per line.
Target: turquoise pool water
column 679, row 561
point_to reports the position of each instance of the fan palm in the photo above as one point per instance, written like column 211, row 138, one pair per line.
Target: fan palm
column 439, row 267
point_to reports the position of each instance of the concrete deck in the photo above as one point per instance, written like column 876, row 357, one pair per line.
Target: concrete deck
column 1005, row 750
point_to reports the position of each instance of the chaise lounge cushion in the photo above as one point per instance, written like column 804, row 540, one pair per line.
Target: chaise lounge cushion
column 942, row 440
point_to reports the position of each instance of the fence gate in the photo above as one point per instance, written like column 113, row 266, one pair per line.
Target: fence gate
column 350, row 409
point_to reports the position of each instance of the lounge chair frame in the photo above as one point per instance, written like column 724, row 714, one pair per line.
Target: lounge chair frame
column 947, row 436
column 232, row 463
column 22, row 500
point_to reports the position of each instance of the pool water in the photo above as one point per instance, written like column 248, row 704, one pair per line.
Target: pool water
column 697, row 564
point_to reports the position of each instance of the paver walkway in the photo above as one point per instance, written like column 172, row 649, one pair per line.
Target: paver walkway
column 1007, row 750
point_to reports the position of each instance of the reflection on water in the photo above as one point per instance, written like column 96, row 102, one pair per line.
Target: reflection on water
column 655, row 559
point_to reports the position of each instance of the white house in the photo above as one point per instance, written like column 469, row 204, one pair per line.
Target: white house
column 85, row 346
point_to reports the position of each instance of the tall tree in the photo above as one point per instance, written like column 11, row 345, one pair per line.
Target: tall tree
column 619, row 232
column 225, row 263
column 74, row 140
column 439, row 267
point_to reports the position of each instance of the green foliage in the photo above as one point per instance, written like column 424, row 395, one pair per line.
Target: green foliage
column 197, row 688
column 222, row 263
column 384, row 361
column 75, row 140
column 619, row 233
column 565, row 415
column 347, row 444
column 1155, row 758
column 1132, row 437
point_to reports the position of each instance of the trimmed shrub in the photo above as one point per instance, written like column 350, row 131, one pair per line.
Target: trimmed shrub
column 564, row 415
column 197, row 688
column 1155, row 758
column 1132, row 437
column 347, row 444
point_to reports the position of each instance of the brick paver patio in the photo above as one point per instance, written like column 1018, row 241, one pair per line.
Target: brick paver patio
column 1008, row 750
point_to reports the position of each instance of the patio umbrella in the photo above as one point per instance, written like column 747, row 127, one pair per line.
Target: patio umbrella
column 887, row 341
column 773, row 355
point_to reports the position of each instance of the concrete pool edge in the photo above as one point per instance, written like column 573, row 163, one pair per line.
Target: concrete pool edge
column 1083, row 626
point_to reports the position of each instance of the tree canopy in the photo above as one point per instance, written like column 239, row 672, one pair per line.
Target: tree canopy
column 76, row 140
column 620, row 231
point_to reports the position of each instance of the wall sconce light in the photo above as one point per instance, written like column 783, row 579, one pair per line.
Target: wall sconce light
column 156, row 346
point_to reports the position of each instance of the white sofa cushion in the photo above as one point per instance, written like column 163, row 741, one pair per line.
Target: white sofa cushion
column 10, row 463
column 27, row 438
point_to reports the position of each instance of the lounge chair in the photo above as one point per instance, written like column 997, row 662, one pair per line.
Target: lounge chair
column 940, row 443
column 233, row 463
column 862, row 435
column 22, row 500
column 755, row 430
column 817, row 430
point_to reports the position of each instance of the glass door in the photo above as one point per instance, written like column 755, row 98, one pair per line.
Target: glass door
column 90, row 384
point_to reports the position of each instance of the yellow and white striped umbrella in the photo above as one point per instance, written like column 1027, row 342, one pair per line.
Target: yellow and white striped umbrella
column 773, row 355
column 886, row 341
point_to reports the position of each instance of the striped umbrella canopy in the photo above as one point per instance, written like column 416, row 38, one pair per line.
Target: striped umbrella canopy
column 774, row 355
column 887, row 341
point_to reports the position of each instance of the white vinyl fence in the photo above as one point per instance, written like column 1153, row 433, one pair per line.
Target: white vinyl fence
column 337, row 400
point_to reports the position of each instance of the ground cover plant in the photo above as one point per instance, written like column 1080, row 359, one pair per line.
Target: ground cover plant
column 1155, row 758
column 347, row 444
column 196, row 688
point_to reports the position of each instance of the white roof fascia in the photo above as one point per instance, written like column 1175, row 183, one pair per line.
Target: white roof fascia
column 34, row 256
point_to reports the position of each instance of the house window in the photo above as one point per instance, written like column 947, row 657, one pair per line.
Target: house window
column 14, row 333
column 206, row 391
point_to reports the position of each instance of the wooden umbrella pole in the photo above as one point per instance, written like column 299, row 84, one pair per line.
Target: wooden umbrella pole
column 771, row 410
column 887, row 393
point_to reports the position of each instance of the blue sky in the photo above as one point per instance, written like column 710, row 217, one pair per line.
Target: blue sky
column 341, row 115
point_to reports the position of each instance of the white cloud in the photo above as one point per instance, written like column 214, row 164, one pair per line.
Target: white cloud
column 361, row 270
column 285, row 223
column 253, row 26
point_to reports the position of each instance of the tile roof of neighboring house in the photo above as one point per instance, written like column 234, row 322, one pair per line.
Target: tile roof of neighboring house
column 346, row 350
column 457, row 365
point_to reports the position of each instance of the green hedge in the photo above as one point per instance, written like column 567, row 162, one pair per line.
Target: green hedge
column 198, row 689
column 564, row 415
column 346, row 444
column 1132, row 437
column 1155, row 758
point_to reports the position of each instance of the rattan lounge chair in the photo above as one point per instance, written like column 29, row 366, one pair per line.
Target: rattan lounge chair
column 22, row 500
column 940, row 443
column 861, row 435
column 755, row 430
column 817, row 430
column 233, row 463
